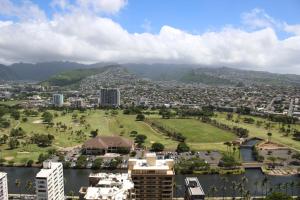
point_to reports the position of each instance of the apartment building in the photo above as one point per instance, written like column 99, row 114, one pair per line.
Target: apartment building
column 50, row 182
column 3, row 186
column 110, row 97
column 58, row 100
column 153, row 178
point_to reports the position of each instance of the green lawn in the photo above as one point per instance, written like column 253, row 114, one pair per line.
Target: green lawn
column 96, row 119
column 124, row 124
column 10, row 103
column 261, row 132
column 200, row 136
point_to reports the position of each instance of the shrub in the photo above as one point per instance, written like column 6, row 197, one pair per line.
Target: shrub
column 157, row 147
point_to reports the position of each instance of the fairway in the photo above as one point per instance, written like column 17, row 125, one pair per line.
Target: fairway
column 196, row 131
column 261, row 132
column 104, row 121
column 199, row 135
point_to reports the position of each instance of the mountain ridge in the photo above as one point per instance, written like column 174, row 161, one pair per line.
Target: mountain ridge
column 158, row 72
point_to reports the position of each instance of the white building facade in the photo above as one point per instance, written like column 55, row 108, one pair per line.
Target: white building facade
column 50, row 182
column 3, row 186
column 58, row 100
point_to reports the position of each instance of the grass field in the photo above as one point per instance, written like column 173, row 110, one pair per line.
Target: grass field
column 106, row 123
column 200, row 136
column 261, row 132
column 10, row 103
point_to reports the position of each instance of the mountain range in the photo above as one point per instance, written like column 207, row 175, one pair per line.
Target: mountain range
column 60, row 73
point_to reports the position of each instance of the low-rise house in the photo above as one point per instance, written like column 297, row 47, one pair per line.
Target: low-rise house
column 107, row 144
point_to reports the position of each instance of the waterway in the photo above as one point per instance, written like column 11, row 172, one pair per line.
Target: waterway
column 246, row 150
column 76, row 178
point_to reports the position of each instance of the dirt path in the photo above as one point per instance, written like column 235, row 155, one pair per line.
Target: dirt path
column 154, row 130
column 18, row 123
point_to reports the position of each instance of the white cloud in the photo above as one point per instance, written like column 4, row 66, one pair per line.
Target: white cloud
column 26, row 10
column 106, row 6
column 86, row 38
column 258, row 18
column 295, row 29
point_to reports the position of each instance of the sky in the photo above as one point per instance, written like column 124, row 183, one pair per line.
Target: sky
column 255, row 34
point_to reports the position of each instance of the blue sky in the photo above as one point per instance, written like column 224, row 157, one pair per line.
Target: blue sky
column 253, row 34
column 193, row 15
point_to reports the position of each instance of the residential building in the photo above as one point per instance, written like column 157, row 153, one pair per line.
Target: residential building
column 78, row 103
column 153, row 178
column 50, row 182
column 107, row 144
column 193, row 189
column 111, row 186
column 58, row 100
column 110, row 97
column 3, row 186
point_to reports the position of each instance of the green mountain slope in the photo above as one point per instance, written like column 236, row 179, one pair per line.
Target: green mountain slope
column 74, row 76
column 7, row 74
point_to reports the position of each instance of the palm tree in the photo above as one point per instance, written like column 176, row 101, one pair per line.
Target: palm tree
column 18, row 185
column 248, row 195
column 265, row 183
column 292, row 185
column 244, row 180
column 213, row 191
column 242, row 191
column 224, row 180
column 227, row 145
column 240, row 188
column 256, row 185
column 279, row 186
column 234, row 188
column 286, row 186
column 71, row 193
column 234, row 149
column 29, row 186
column 269, row 136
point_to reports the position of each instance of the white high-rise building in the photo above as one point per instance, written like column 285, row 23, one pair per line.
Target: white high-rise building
column 50, row 182
column 58, row 100
column 3, row 186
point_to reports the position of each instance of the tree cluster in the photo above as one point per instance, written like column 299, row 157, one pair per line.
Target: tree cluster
column 42, row 140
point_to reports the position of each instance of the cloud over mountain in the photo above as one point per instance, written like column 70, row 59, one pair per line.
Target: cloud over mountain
column 82, row 31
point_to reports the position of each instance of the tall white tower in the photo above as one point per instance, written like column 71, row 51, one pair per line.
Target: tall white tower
column 3, row 186
column 50, row 182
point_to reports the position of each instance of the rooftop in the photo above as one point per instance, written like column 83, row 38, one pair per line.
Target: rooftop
column 194, row 186
column 103, row 142
column 48, row 168
column 110, row 186
column 151, row 163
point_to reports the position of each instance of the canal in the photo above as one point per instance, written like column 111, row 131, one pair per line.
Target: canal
column 246, row 150
column 75, row 178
